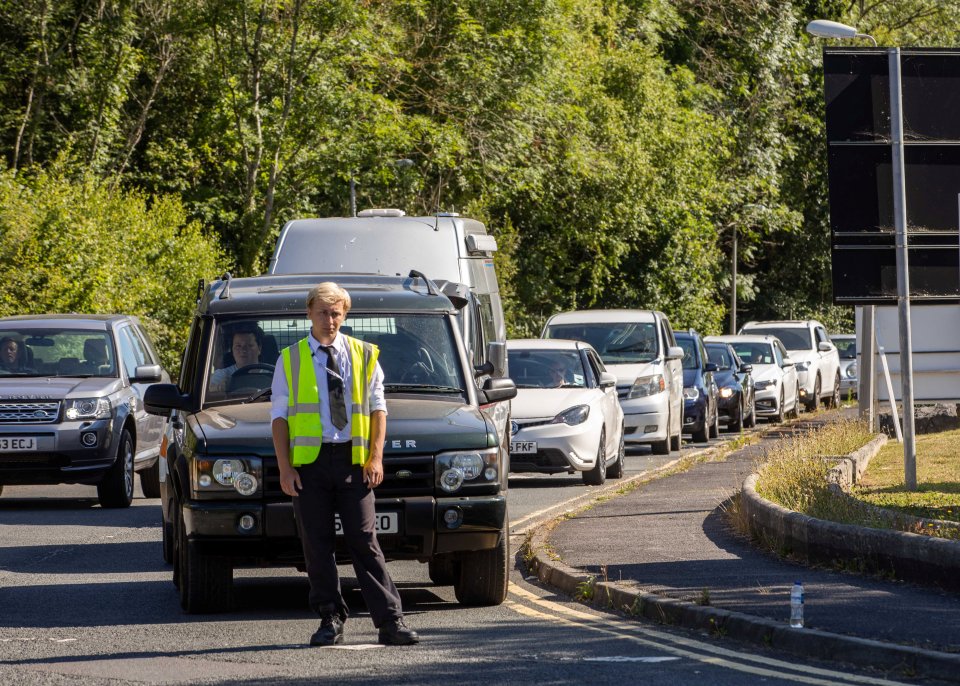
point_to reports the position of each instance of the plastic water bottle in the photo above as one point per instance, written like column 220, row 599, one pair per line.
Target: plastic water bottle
column 796, row 605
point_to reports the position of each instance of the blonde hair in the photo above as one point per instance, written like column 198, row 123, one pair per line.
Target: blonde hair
column 329, row 293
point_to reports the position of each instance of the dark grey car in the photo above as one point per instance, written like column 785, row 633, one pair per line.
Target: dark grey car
column 71, row 404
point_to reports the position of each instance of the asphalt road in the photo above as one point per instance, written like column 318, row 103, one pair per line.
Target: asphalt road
column 85, row 598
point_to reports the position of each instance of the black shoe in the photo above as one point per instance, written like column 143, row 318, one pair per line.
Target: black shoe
column 330, row 632
column 396, row 633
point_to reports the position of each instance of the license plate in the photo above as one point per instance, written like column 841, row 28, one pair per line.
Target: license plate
column 18, row 444
column 523, row 447
column 386, row 523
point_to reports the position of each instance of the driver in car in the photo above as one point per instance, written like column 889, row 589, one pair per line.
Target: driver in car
column 246, row 343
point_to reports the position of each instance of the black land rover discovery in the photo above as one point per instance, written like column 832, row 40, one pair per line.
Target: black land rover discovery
column 443, row 497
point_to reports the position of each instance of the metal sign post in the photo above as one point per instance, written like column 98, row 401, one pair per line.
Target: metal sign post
column 903, row 275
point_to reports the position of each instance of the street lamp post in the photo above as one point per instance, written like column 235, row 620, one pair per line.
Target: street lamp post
column 832, row 29
column 733, row 284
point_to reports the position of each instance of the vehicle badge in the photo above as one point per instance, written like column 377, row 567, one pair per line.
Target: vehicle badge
column 514, row 427
column 39, row 414
column 404, row 474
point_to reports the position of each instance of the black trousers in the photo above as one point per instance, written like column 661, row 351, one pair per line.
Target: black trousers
column 332, row 484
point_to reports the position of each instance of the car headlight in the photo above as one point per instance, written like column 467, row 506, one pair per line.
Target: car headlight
column 220, row 476
column 852, row 371
column 802, row 366
column 573, row 416
column 761, row 385
column 87, row 408
column 691, row 393
column 647, row 385
column 726, row 392
column 454, row 469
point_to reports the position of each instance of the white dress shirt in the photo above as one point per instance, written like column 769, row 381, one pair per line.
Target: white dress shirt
column 331, row 434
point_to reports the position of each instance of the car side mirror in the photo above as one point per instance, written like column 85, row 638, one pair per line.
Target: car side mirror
column 787, row 362
column 485, row 369
column 746, row 368
column 147, row 373
column 607, row 380
column 710, row 367
column 497, row 355
column 160, row 398
column 497, row 390
column 674, row 352
column 824, row 347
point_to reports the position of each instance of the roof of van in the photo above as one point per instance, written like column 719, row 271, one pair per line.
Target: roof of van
column 282, row 293
column 375, row 245
column 602, row 316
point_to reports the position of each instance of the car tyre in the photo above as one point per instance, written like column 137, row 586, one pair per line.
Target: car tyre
column 598, row 474
column 833, row 401
column 663, row 447
column 736, row 423
column 116, row 487
column 442, row 570
column 751, row 420
column 150, row 480
column 795, row 412
column 484, row 575
column 715, row 426
column 780, row 415
column 206, row 581
column 701, row 435
column 814, row 404
column 615, row 471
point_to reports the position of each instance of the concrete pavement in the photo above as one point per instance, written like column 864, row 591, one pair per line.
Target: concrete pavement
column 668, row 552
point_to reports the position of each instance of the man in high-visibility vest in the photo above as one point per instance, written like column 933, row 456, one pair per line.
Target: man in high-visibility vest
column 329, row 422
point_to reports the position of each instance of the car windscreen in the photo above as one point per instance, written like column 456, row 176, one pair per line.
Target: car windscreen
column 689, row 352
column 754, row 353
column 617, row 343
column 792, row 338
column 720, row 356
column 67, row 352
column 547, row 369
column 418, row 352
column 847, row 347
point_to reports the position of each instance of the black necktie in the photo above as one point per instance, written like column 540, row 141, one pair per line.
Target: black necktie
column 338, row 406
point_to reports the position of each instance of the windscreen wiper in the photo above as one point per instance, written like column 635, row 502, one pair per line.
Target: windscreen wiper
column 259, row 395
column 420, row 387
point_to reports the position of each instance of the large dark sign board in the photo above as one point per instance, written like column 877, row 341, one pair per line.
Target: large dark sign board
column 857, row 87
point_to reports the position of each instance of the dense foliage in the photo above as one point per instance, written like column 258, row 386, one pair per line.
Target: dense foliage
column 613, row 146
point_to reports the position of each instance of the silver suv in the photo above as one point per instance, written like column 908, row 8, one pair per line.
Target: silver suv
column 816, row 357
column 71, row 404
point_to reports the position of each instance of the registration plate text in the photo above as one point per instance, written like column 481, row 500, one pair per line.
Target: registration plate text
column 386, row 523
column 523, row 447
column 17, row 444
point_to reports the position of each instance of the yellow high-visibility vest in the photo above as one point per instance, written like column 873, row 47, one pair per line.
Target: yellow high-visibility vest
column 303, row 402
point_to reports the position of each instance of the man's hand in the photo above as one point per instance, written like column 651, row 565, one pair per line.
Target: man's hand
column 290, row 482
column 373, row 472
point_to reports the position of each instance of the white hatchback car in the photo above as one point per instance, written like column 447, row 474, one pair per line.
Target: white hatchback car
column 816, row 358
column 640, row 348
column 847, row 347
column 566, row 417
column 777, row 388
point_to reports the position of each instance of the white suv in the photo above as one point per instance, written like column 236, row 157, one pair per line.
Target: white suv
column 639, row 347
column 816, row 357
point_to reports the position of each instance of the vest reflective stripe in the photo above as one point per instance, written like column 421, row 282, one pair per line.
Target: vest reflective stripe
column 303, row 403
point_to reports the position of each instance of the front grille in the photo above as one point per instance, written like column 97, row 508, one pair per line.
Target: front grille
column 29, row 412
column 624, row 391
column 403, row 475
column 521, row 424
column 548, row 458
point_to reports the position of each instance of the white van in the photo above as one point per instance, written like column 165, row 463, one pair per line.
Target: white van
column 447, row 248
column 638, row 346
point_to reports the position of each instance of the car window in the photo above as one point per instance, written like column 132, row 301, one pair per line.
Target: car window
column 617, row 343
column 720, row 356
column 754, row 353
column 793, row 338
column 150, row 356
column 779, row 353
column 547, row 369
column 594, row 368
column 131, row 350
column 415, row 350
column 847, row 348
column 67, row 352
column 821, row 334
column 689, row 346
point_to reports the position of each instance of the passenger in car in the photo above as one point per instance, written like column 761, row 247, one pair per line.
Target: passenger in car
column 11, row 357
column 246, row 343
